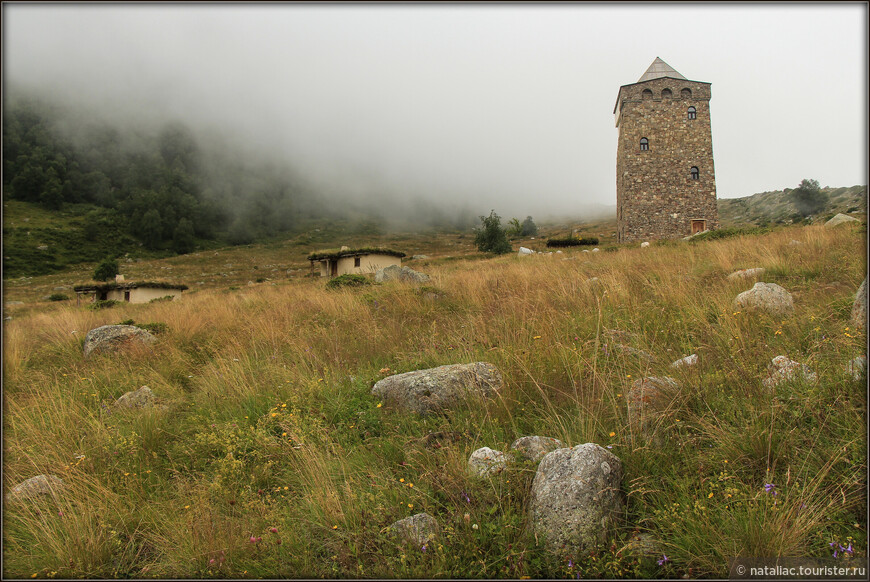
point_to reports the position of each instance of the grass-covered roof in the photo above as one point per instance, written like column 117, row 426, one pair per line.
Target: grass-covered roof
column 334, row 254
column 103, row 287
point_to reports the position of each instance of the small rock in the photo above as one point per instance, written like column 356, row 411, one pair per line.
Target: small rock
column 795, row 243
column 61, row 288
column 15, row 303
column 648, row 395
column 404, row 274
column 524, row 252
column 595, row 250
column 418, row 529
column 485, row 462
column 859, row 307
column 585, row 250
column 420, row 257
column 768, row 297
column 575, row 497
column 534, row 448
column 42, row 248
column 141, row 398
column 782, row 369
column 857, row 367
column 746, row 274
column 251, row 283
column 440, row 439
column 109, row 338
column 687, row 361
column 644, row 245
column 841, row 219
column 35, row 486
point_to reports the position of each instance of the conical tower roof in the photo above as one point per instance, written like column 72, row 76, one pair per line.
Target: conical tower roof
column 659, row 69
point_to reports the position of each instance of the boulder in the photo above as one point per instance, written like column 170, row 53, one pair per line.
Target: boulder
column 782, row 369
column 687, row 361
column 644, row 245
column 36, row 486
column 485, row 462
column 841, row 219
column 141, row 398
column 859, row 308
column 575, row 497
column 767, row 297
column 595, row 250
column 420, row 257
column 439, row 389
column 857, row 367
column 647, row 395
column 109, row 338
column 396, row 273
column 418, row 529
column 524, row 252
column 795, row 243
column 534, row 448
column 746, row 274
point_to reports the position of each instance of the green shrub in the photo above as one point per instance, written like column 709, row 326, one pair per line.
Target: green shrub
column 106, row 270
column 97, row 305
column 348, row 280
column 491, row 237
column 571, row 241
column 155, row 328
column 162, row 299
column 58, row 297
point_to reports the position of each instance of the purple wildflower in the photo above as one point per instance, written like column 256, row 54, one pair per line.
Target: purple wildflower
column 663, row 559
column 836, row 550
column 424, row 547
column 570, row 563
column 466, row 497
column 849, row 549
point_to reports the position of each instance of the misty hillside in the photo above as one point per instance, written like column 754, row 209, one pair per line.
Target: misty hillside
column 779, row 207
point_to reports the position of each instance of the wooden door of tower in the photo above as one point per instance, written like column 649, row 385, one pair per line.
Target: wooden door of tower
column 699, row 226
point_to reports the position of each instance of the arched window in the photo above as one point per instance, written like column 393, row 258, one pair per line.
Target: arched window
column 646, row 94
column 692, row 113
column 644, row 144
column 686, row 93
column 695, row 173
column 666, row 94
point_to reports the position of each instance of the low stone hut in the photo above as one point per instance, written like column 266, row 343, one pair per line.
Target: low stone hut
column 357, row 261
column 132, row 292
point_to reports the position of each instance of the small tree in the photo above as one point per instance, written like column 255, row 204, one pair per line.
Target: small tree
column 529, row 227
column 106, row 270
column 514, row 228
column 491, row 237
column 808, row 198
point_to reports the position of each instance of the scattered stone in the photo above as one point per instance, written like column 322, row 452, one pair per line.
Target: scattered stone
column 687, row 361
column 585, row 250
column 768, row 297
column 15, row 303
column 42, row 248
column 441, row 388
column 746, row 274
column 418, row 529
column 795, row 243
column 404, row 274
column 485, row 462
column 35, row 486
column 840, row 219
column 857, row 367
column 859, row 308
column 441, row 439
column 595, row 250
column 251, row 283
column 534, row 448
column 61, row 288
column 783, row 369
column 109, row 338
column 575, row 497
column 644, row 245
column 141, row 398
column 420, row 257
column 524, row 252
column 649, row 395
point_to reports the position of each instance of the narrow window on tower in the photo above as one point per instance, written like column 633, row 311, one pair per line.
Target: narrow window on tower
column 644, row 144
column 692, row 113
column 695, row 174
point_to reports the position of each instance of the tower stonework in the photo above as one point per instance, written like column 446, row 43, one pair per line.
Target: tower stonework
column 665, row 183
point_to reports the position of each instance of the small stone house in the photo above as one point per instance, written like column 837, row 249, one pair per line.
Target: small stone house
column 355, row 261
column 132, row 292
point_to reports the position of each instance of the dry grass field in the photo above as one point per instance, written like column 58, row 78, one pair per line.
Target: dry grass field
column 268, row 457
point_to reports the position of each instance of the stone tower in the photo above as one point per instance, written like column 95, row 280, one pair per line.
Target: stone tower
column 665, row 185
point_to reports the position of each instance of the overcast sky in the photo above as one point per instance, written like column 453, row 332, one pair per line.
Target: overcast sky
column 506, row 106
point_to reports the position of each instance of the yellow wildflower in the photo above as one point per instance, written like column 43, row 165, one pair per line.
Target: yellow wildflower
column 613, row 434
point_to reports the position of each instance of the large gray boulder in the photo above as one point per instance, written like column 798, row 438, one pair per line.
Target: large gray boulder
column 110, row 338
column 35, row 487
column 766, row 297
column 859, row 308
column 841, row 219
column 535, row 448
column 418, row 529
column 439, row 389
column 141, row 398
column 575, row 497
column 396, row 273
